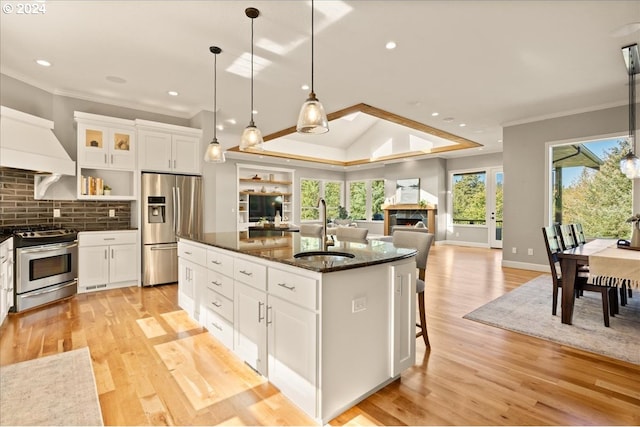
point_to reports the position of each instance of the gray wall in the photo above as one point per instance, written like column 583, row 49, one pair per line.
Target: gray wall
column 525, row 172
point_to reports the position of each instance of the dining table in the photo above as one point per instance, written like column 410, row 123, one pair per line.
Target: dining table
column 609, row 265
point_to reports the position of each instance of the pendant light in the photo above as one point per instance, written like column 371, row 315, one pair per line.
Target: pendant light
column 630, row 164
column 214, row 153
column 312, row 118
column 251, row 137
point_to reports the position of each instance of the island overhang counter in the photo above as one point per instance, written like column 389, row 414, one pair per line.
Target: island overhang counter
column 326, row 333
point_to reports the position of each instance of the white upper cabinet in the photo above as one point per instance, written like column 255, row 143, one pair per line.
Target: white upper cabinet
column 106, row 165
column 169, row 148
column 105, row 142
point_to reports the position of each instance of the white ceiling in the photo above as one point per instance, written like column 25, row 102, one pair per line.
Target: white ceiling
column 482, row 63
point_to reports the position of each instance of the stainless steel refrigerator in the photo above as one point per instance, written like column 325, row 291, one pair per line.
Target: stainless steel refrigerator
column 171, row 204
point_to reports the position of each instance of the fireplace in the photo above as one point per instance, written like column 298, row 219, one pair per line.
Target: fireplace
column 409, row 215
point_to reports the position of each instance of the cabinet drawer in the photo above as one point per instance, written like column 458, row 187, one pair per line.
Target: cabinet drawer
column 220, row 328
column 250, row 273
column 218, row 304
column 195, row 254
column 220, row 283
column 292, row 287
column 105, row 238
column 220, row 262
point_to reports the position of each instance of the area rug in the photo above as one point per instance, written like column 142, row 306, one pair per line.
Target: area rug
column 527, row 310
column 52, row 390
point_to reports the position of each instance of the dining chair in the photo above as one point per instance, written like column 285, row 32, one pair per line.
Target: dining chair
column 313, row 230
column 351, row 233
column 422, row 242
column 578, row 233
column 567, row 240
column 553, row 245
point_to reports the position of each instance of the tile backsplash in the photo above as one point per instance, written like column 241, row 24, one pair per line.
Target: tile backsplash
column 18, row 207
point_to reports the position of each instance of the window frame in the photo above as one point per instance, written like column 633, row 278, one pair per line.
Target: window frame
column 486, row 171
column 369, row 197
column 322, row 188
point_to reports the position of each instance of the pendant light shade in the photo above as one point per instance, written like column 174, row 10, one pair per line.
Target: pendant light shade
column 251, row 137
column 630, row 164
column 214, row 153
column 312, row 118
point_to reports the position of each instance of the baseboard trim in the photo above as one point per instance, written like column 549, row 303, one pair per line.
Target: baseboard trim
column 461, row 243
column 526, row 266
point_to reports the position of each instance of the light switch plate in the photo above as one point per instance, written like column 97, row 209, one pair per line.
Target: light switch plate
column 112, row 213
column 359, row 304
column 56, row 213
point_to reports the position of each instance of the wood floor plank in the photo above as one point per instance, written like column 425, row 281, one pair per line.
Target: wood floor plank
column 473, row 374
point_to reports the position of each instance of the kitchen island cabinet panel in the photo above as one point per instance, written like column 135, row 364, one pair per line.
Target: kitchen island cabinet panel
column 326, row 338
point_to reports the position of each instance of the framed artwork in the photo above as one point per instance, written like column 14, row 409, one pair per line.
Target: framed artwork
column 408, row 191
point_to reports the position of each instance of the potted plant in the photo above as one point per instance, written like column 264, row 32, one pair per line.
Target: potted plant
column 106, row 190
column 343, row 216
column 261, row 222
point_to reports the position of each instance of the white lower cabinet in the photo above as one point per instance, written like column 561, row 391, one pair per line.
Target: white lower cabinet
column 324, row 357
column 249, row 322
column 6, row 278
column 292, row 352
column 403, row 286
column 107, row 260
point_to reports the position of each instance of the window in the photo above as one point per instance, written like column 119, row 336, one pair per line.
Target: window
column 309, row 193
column 588, row 187
column 469, row 197
column 366, row 199
column 311, row 190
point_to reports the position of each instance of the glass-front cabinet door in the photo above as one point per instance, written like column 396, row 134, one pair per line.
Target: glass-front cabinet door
column 104, row 147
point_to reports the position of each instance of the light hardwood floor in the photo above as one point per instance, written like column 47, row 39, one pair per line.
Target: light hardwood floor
column 154, row 366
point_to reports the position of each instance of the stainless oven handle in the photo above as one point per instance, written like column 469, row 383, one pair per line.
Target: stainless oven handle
column 48, row 291
column 47, row 248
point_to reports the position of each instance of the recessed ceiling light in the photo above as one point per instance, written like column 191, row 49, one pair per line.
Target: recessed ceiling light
column 255, row 111
column 231, row 121
column 448, row 119
column 43, row 62
column 305, row 87
column 220, row 127
column 390, row 45
column 435, row 114
column 173, row 93
column 500, row 141
column 115, row 79
column 462, row 125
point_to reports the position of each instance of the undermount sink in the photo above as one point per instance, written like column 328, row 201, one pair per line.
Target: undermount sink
column 324, row 256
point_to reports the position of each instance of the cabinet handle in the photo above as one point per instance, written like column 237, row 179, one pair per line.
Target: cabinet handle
column 109, row 238
column 213, row 282
column 174, row 164
column 106, row 256
column 216, row 326
column 284, row 285
column 105, row 158
column 216, row 304
column 216, row 262
column 188, row 253
column 111, row 253
column 246, row 273
column 268, row 317
column 169, row 163
column 260, row 316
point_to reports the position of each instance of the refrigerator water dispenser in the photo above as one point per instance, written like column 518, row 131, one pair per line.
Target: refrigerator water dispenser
column 156, row 210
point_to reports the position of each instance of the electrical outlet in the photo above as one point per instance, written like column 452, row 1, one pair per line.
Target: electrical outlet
column 359, row 304
column 56, row 213
column 112, row 213
column 530, row 251
column 514, row 250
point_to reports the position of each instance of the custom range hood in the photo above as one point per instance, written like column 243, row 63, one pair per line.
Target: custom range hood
column 27, row 142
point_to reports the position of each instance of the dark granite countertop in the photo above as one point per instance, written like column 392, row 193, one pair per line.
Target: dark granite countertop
column 4, row 237
column 282, row 248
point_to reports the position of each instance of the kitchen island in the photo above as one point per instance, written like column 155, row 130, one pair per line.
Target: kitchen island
column 326, row 332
